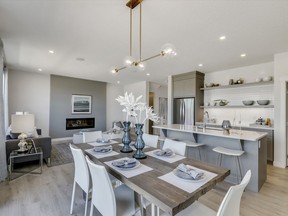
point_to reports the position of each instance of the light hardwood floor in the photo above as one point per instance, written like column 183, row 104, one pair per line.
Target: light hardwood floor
column 50, row 194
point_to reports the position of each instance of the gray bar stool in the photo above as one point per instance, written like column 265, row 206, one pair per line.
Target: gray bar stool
column 230, row 152
column 191, row 144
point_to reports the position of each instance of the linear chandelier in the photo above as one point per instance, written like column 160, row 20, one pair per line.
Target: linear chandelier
column 167, row 50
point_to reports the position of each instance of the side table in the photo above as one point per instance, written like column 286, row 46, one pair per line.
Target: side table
column 28, row 156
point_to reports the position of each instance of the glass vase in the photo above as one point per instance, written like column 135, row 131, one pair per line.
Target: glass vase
column 139, row 144
column 126, row 140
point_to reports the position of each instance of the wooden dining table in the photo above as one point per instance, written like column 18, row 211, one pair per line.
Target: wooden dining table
column 166, row 196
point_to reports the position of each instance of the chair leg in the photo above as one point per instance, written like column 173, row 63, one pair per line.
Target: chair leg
column 238, row 160
column 73, row 196
column 86, row 203
column 91, row 209
column 152, row 209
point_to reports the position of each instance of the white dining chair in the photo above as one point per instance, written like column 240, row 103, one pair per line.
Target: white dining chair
column 230, row 205
column 150, row 140
column 91, row 136
column 177, row 147
column 109, row 202
column 81, row 176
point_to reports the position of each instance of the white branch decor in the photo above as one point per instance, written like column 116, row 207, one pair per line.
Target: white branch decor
column 135, row 108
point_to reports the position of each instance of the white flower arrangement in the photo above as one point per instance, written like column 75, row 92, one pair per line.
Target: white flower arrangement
column 135, row 108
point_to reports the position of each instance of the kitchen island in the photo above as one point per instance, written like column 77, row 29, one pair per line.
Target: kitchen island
column 253, row 143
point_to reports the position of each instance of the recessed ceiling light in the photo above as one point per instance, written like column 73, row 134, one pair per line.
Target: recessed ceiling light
column 200, row 65
column 118, row 82
column 80, row 59
column 148, row 74
column 39, row 69
column 223, row 37
column 243, row 55
column 51, row 51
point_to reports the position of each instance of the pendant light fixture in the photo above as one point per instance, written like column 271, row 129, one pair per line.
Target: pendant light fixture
column 167, row 50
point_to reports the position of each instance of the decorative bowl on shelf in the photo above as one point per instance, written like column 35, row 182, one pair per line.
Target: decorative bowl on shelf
column 209, row 85
column 268, row 78
column 263, row 102
column 248, row 102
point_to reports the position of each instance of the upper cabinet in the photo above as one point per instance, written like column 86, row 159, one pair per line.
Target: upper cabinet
column 188, row 84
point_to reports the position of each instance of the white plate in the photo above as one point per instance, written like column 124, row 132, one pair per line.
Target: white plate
column 128, row 168
column 164, row 156
column 188, row 180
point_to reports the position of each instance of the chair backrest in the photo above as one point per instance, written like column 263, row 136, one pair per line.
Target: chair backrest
column 103, row 197
column 176, row 146
column 230, row 205
column 151, row 140
column 91, row 136
column 81, row 176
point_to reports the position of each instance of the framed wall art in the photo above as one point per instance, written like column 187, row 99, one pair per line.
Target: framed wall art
column 81, row 104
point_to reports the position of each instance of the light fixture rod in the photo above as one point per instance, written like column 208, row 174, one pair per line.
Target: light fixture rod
column 131, row 28
column 140, row 34
column 152, row 57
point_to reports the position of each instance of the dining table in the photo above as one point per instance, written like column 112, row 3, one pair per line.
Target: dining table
column 154, row 178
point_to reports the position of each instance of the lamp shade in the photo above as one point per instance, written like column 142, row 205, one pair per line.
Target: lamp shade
column 22, row 123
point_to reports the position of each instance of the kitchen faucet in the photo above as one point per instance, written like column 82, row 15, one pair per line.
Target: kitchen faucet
column 205, row 118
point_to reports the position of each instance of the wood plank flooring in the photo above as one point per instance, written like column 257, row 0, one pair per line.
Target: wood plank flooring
column 50, row 194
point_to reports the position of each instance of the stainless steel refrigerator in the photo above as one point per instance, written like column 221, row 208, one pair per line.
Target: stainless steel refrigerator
column 183, row 111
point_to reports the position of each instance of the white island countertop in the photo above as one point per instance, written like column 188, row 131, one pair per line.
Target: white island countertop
column 210, row 131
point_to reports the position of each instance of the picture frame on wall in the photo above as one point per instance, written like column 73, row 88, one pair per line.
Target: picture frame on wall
column 81, row 104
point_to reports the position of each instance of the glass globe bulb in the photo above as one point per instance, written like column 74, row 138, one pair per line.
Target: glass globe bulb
column 129, row 61
column 113, row 70
column 140, row 66
column 168, row 50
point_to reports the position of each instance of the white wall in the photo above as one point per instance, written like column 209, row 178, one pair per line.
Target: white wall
column 114, row 110
column 30, row 92
column 281, row 77
column 235, row 96
column 139, row 88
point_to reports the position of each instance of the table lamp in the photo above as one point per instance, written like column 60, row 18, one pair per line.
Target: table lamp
column 22, row 124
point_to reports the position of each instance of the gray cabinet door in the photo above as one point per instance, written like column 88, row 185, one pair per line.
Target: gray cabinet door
column 184, row 88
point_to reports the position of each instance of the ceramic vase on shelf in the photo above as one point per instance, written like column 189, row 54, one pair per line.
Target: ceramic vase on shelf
column 139, row 144
column 126, row 140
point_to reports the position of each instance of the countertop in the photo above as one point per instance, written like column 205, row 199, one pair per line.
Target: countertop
column 264, row 127
column 210, row 131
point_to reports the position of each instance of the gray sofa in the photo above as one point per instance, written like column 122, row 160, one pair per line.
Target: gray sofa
column 43, row 142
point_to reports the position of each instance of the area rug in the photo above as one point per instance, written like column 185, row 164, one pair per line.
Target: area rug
column 61, row 154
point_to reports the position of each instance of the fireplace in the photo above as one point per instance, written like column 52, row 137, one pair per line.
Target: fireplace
column 79, row 123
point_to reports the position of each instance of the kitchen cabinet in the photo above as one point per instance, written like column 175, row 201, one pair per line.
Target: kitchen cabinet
column 189, row 85
column 270, row 141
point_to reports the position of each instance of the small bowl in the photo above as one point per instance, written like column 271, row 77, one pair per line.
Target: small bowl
column 268, row 78
column 263, row 102
column 248, row 102
column 258, row 79
column 209, row 85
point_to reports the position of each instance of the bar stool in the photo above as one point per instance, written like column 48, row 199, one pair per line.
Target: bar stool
column 230, row 152
column 191, row 144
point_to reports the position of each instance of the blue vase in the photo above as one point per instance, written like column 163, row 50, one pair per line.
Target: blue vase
column 139, row 144
column 126, row 140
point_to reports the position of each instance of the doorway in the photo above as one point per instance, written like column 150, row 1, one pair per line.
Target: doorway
column 151, row 104
column 286, row 124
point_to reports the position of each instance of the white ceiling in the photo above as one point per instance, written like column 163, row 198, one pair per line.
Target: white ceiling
column 98, row 31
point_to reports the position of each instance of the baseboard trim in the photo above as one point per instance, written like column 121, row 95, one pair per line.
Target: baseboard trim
column 279, row 164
